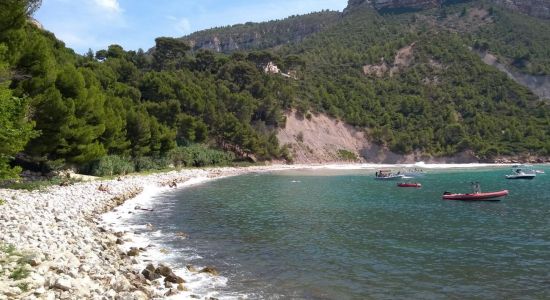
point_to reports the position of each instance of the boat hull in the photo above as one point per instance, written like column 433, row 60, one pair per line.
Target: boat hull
column 527, row 176
column 413, row 185
column 491, row 196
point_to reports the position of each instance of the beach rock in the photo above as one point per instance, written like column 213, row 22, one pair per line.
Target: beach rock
column 63, row 283
column 209, row 270
column 133, row 252
column 139, row 295
column 191, row 268
column 181, row 287
column 150, row 275
column 50, row 295
column 163, row 270
column 122, row 284
column 39, row 291
column 182, row 235
column 174, row 278
column 171, row 292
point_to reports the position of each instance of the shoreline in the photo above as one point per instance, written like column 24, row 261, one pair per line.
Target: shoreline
column 72, row 239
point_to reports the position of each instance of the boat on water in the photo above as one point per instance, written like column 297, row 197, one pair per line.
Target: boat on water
column 476, row 195
column 522, row 174
column 489, row 196
column 387, row 175
column 409, row 184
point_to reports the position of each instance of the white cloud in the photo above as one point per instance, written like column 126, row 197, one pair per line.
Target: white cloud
column 183, row 26
column 111, row 6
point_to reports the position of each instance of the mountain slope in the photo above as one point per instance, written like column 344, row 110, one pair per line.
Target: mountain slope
column 257, row 36
column 447, row 100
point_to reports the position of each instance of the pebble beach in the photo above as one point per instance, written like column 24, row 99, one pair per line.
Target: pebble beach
column 57, row 244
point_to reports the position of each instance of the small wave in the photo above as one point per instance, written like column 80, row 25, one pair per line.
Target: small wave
column 156, row 251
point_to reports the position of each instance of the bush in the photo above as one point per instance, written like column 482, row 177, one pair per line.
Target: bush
column 347, row 155
column 112, row 165
column 199, row 156
column 149, row 163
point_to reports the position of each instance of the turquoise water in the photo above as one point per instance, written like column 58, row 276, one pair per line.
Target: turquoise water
column 343, row 235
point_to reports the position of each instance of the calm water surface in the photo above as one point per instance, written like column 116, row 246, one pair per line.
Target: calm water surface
column 343, row 235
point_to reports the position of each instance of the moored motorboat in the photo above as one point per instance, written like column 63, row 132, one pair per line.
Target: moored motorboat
column 522, row 174
column 409, row 184
column 488, row 196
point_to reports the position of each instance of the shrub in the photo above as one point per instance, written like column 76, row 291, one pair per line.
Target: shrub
column 347, row 155
column 199, row 156
column 19, row 273
column 149, row 163
column 112, row 165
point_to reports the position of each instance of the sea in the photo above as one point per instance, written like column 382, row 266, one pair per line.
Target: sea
column 330, row 233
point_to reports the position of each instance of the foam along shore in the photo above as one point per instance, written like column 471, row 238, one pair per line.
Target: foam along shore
column 72, row 242
column 55, row 243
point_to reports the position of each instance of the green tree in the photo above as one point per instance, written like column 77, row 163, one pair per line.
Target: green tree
column 15, row 130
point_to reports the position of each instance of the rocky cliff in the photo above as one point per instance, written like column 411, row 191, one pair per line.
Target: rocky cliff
column 536, row 8
column 254, row 36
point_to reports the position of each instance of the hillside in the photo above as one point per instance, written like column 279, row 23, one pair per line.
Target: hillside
column 256, row 36
column 412, row 83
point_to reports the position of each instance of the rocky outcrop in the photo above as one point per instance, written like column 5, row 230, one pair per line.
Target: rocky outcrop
column 405, row 4
column 390, row 5
column 535, row 8
column 403, row 59
column 539, row 85
column 256, row 36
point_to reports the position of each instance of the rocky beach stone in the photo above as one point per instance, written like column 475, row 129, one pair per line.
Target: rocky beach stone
column 209, row 270
column 70, row 251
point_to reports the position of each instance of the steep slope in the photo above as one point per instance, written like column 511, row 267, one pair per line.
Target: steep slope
column 442, row 101
column 535, row 8
column 257, row 36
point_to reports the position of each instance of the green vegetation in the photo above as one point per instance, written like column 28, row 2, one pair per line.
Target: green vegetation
column 444, row 102
column 37, row 184
column 518, row 39
column 2, row 202
column 119, row 111
column 19, row 273
column 24, row 286
column 199, row 156
column 127, row 103
column 347, row 155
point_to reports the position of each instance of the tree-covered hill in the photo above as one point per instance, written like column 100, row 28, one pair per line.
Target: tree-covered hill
column 258, row 36
column 447, row 100
column 430, row 91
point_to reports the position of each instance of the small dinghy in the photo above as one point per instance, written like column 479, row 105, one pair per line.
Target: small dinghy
column 409, row 184
column 476, row 195
column 491, row 196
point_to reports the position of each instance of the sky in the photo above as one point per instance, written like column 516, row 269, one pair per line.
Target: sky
column 134, row 24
